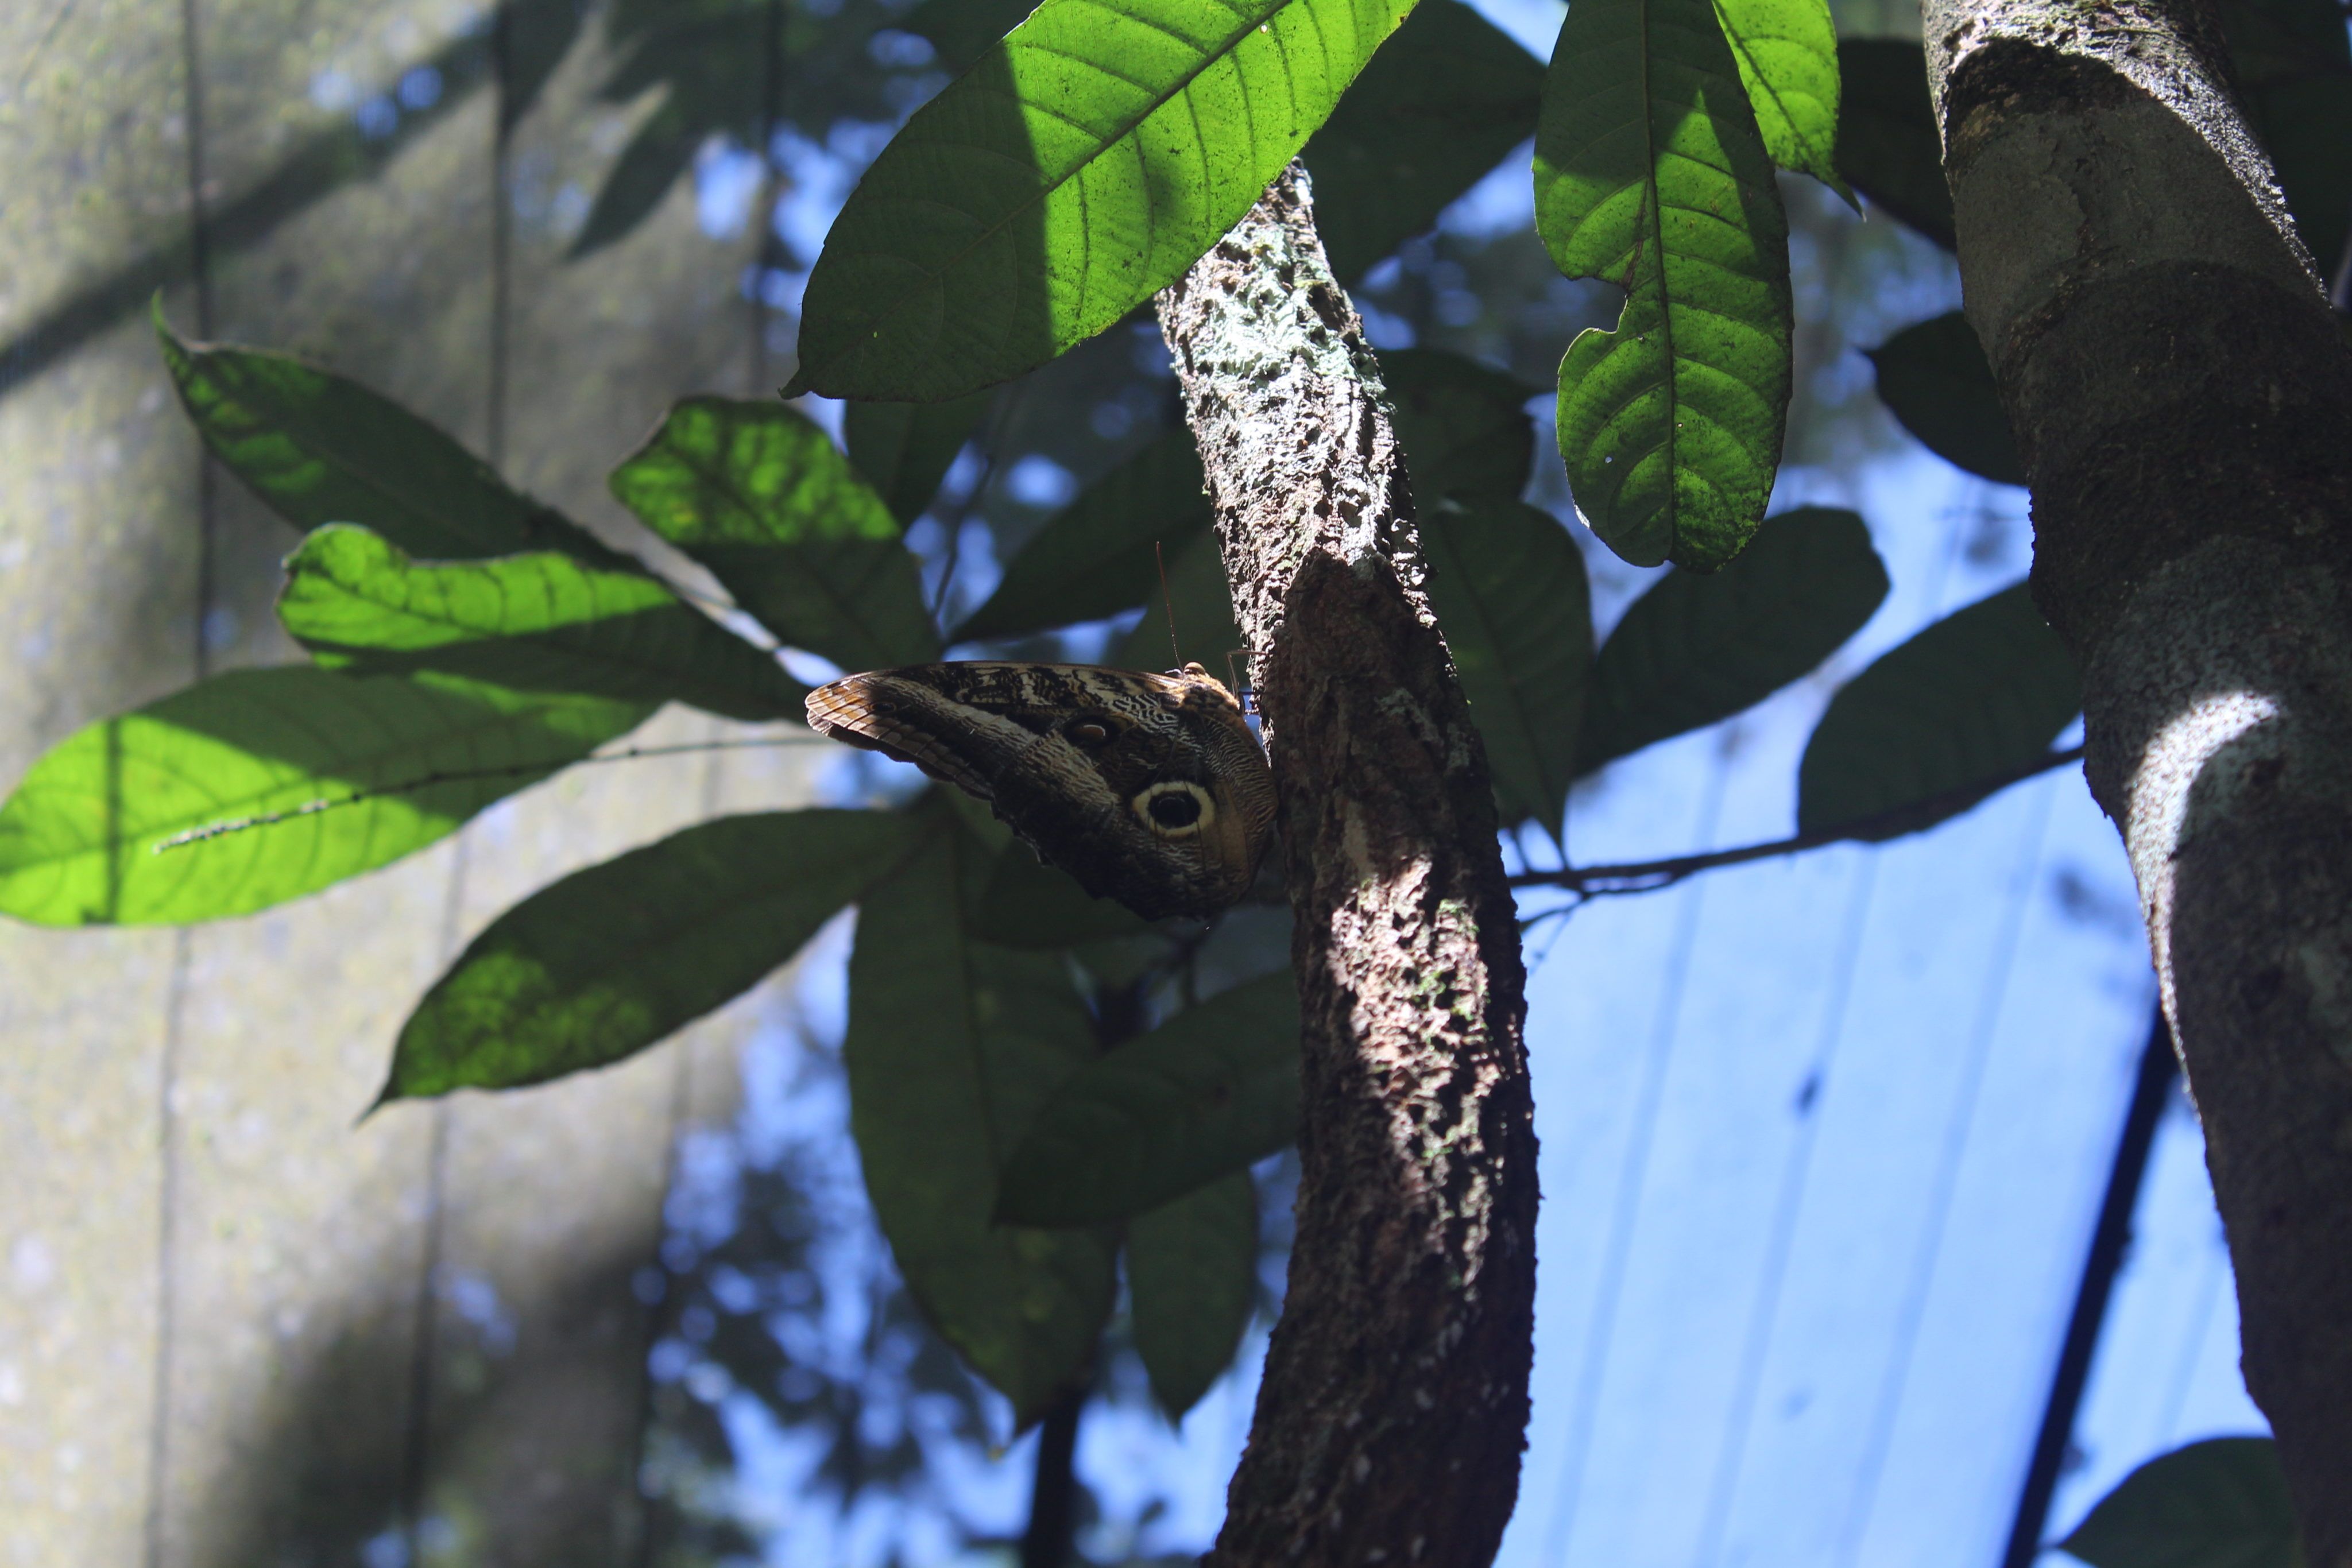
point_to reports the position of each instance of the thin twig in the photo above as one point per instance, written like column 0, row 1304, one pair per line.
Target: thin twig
column 461, row 776
column 1647, row 876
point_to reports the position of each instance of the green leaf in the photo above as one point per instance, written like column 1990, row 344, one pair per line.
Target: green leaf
column 952, row 1047
column 1437, row 108
column 535, row 622
column 1093, row 558
column 1887, row 147
column 962, row 30
column 1696, row 649
column 1464, row 427
column 1508, row 584
column 594, row 968
column 80, row 840
column 319, row 448
column 1201, row 601
column 1650, row 175
column 1191, row 1275
column 1028, row 904
column 1081, row 165
column 2220, row 1504
column 2293, row 66
column 1973, row 699
column 1787, row 53
column 903, row 449
column 662, row 148
column 763, row 497
column 1208, row 1093
column 1934, row 377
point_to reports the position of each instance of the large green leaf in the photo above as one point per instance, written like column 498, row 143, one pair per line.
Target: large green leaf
column 1028, row 904
column 2295, row 76
column 952, row 1047
column 1205, row 1094
column 321, row 448
column 1787, row 53
column 1887, row 147
column 1191, row 1275
column 1508, row 584
column 1464, row 427
column 252, row 756
column 1093, row 558
column 2220, row 1504
column 594, row 968
column 1650, row 175
column 1973, row 699
column 1696, row 649
column 1436, row 109
column 1201, row 601
column 904, row 448
column 763, row 497
column 1933, row 376
column 1083, row 163
column 536, row 623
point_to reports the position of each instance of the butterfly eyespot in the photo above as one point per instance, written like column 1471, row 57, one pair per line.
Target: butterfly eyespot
column 1174, row 809
column 1086, row 732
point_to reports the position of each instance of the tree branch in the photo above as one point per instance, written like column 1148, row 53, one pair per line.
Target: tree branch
column 2183, row 403
column 1648, row 876
column 1392, row 1415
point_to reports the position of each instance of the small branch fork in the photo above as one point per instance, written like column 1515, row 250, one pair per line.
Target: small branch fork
column 1648, row 876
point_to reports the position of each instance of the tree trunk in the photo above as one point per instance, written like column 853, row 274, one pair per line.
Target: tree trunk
column 2184, row 404
column 1394, row 1407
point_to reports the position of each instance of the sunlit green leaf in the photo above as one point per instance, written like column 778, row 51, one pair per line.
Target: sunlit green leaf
column 595, row 967
column 763, row 497
column 1650, row 175
column 904, row 448
column 536, row 623
column 1974, row 698
column 1464, row 427
column 1934, row 377
column 1206, row 1093
column 2220, row 1504
column 952, row 1047
column 1080, row 165
column 1191, row 1273
column 321, row 448
column 1696, row 649
column 1434, row 111
column 1093, row 558
column 1787, row 53
column 1203, row 606
column 1887, row 147
column 238, row 767
column 1508, row 584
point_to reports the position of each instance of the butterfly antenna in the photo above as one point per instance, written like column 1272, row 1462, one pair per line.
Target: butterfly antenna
column 1167, row 603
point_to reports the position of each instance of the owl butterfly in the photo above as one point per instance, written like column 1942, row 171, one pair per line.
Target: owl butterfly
column 1146, row 788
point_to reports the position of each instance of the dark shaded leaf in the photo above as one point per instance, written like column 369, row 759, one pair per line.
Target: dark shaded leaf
column 1975, row 696
column 320, row 448
column 1508, row 584
column 664, row 145
column 962, row 30
column 1208, row 1093
column 1028, row 904
column 952, row 1047
column 1464, row 427
column 2222, row 1503
column 1934, row 377
column 903, row 449
column 592, row 969
column 763, row 497
column 2293, row 67
column 534, row 623
column 1093, row 558
column 1191, row 1274
column 1438, row 107
column 1787, row 52
column 1696, row 649
column 1887, row 147
column 81, row 839
column 1650, row 175
column 1081, row 164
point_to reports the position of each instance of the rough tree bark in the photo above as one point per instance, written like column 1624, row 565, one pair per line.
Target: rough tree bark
column 1393, row 1410
column 2184, row 404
